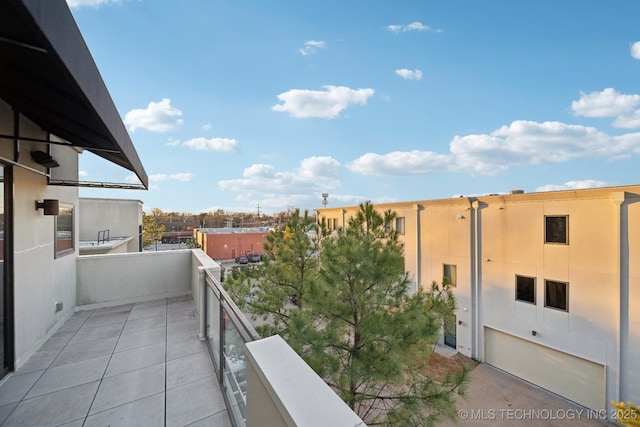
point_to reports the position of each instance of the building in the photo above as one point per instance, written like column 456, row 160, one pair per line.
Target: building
column 53, row 106
column 109, row 226
column 229, row 243
column 547, row 284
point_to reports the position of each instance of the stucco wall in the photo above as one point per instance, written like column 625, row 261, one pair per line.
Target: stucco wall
column 40, row 280
column 119, row 278
column 122, row 217
column 500, row 237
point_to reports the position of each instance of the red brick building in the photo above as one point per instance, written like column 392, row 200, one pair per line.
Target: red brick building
column 229, row 243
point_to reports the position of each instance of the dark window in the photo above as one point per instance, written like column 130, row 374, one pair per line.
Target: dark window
column 449, row 274
column 556, row 229
column 64, row 242
column 556, row 295
column 400, row 225
column 526, row 289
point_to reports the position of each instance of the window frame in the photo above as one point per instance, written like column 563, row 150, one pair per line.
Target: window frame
column 453, row 278
column 62, row 250
column 519, row 276
column 400, row 225
column 547, row 234
column 566, row 295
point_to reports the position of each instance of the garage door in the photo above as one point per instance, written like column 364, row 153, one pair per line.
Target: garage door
column 569, row 376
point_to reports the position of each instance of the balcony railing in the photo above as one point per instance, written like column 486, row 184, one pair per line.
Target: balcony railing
column 263, row 381
column 228, row 331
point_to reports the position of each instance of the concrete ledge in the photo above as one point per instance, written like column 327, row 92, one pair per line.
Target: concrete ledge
column 282, row 390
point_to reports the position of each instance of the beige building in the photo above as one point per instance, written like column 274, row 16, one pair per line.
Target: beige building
column 547, row 284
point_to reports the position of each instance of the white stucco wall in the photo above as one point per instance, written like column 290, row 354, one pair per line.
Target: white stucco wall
column 122, row 217
column 40, row 279
column 120, row 278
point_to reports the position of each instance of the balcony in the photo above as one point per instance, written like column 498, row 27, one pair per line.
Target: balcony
column 155, row 340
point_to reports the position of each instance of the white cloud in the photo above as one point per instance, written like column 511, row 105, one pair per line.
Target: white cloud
column 311, row 46
column 83, row 174
column 520, row 143
column 607, row 103
column 132, row 179
column 526, row 142
column 635, row 50
column 211, row 144
column 409, row 74
column 628, row 121
column 206, row 126
column 573, row 185
column 315, row 175
column 157, row 117
column 181, row 176
column 93, row 3
column 328, row 104
column 414, row 26
column 401, row 163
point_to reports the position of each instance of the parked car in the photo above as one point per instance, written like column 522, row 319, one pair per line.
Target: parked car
column 242, row 260
column 255, row 258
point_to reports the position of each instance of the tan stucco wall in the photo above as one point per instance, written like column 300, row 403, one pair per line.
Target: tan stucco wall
column 491, row 239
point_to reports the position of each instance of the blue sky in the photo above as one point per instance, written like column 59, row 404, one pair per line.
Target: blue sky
column 234, row 104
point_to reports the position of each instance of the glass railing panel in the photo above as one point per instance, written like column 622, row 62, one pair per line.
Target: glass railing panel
column 227, row 332
column 234, row 375
column 213, row 326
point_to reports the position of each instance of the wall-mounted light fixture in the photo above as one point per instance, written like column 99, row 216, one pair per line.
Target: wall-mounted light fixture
column 44, row 159
column 50, row 206
column 460, row 217
column 534, row 333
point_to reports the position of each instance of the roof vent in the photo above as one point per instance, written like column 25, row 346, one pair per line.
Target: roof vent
column 517, row 192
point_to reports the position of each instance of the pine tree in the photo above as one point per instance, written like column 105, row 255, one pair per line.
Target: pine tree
column 288, row 271
column 356, row 324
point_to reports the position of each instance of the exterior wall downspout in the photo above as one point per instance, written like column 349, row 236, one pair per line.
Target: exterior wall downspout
column 477, row 333
column 418, row 209
column 618, row 391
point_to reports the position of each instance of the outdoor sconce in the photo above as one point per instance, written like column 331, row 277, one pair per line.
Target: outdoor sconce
column 44, row 159
column 460, row 217
column 50, row 206
column 534, row 333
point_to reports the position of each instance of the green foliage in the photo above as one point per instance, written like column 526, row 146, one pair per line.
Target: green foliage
column 289, row 269
column 151, row 231
column 192, row 243
column 357, row 325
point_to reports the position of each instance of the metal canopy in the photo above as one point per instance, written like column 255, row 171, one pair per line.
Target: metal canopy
column 48, row 74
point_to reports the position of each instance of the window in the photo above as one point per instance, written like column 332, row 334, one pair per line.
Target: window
column 449, row 274
column 400, row 225
column 64, row 238
column 526, row 289
column 556, row 229
column 556, row 295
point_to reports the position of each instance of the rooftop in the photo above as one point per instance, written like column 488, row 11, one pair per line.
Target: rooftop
column 133, row 364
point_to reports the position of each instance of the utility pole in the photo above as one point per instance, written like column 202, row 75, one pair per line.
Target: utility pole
column 258, row 210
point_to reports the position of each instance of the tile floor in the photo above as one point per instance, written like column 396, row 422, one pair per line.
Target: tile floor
column 131, row 365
